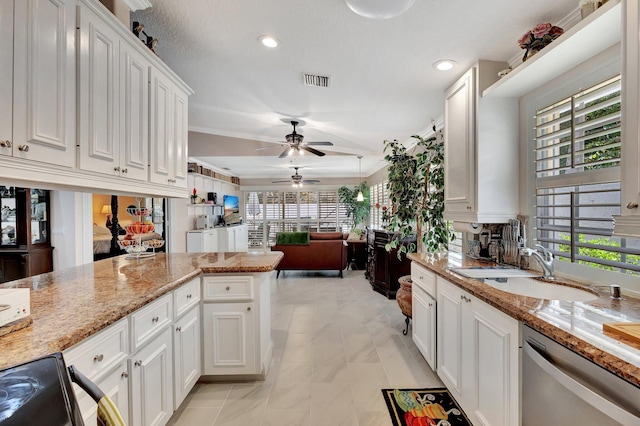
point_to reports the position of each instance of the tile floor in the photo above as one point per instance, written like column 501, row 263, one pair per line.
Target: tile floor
column 336, row 344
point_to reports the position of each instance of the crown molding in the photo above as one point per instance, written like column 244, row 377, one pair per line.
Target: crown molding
column 137, row 4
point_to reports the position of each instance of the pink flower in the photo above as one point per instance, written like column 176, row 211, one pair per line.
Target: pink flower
column 555, row 32
column 541, row 29
column 525, row 40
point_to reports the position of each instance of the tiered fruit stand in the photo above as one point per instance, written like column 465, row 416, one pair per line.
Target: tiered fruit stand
column 132, row 242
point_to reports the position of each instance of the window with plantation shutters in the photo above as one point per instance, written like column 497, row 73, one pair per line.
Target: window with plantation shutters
column 578, row 151
column 379, row 197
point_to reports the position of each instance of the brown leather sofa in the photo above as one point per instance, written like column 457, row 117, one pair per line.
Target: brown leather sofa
column 325, row 251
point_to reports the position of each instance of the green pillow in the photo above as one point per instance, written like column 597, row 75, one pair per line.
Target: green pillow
column 291, row 238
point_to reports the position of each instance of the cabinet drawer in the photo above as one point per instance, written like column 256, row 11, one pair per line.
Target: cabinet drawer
column 423, row 278
column 147, row 322
column 186, row 297
column 227, row 288
column 100, row 352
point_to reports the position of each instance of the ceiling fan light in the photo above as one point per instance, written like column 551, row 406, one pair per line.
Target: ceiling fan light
column 360, row 196
column 291, row 151
column 379, row 9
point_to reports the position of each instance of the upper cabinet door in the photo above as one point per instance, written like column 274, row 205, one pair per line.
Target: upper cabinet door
column 161, row 119
column 98, row 84
column 6, row 76
column 45, row 81
column 459, row 156
column 134, row 120
column 180, row 131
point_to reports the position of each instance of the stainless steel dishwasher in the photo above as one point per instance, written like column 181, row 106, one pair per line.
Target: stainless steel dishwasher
column 559, row 387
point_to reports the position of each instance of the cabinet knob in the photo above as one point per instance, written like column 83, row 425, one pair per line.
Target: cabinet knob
column 124, row 375
column 155, row 319
column 5, row 144
column 116, row 169
column 632, row 205
column 430, row 304
column 468, row 207
column 248, row 308
column 125, row 170
column 228, row 288
column 178, row 328
column 188, row 296
column 98, row 358
column 23, row 148
column 138, row 363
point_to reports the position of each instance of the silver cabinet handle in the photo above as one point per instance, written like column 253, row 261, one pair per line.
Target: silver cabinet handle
column 5, row 144
column 98, row 358
column 430, row 304
column 155, row 319
column 116, row 169
column 178, row 328
column 248, row 308
column 124, row 375
column 23, row 148
column 632, row 205
column 138, row 363
column 125, row 170
column 188, row 296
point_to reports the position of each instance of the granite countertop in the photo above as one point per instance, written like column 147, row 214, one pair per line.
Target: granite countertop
column 69, row 305
column 576, row 325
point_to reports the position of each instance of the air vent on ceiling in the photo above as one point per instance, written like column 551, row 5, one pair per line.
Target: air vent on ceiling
column 316, row 80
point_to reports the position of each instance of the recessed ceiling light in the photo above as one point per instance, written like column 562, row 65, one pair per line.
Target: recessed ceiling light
column 268, row 41
column 444, row 64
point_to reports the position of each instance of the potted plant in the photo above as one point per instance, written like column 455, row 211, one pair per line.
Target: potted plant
column 357, row 210
column 416, row 194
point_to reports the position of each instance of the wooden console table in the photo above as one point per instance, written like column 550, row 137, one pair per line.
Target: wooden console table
column 384, row 268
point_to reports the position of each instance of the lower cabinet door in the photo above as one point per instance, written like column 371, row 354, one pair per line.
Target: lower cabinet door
column 450, row 313
column 229, row 339
column 186, row 354
column 424, row 324
column 151, row 374
column 116, row 387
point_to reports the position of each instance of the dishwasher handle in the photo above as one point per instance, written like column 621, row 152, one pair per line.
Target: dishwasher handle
column 603, row 405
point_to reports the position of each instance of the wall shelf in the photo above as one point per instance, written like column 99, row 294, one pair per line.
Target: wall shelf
column 592, row 35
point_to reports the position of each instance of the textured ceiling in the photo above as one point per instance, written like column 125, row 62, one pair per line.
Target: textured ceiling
column 383, row 85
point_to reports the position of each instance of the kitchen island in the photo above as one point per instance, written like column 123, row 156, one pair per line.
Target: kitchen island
column 69, row 305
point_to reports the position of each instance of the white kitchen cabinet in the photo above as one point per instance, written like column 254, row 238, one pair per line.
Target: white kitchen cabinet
column 113, row 112
column 234, row 238
column 229, row 330
column 186, row 354
column 628, row 222
column 151, row 382
column 203, row 241
column 424, row 312
column 478, row 356
column 6, row 77
column 116, row 387
column 481, row 149
column 236, row 322
column 44, row 82
column 168, row 131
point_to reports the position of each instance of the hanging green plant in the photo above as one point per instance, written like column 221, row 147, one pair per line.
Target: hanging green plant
column 416, row 193
column 357, row 210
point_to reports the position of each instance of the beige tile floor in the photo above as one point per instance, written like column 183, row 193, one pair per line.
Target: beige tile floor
column 336, row 344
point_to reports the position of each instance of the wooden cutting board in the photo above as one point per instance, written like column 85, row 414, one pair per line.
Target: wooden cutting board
column 629, row 330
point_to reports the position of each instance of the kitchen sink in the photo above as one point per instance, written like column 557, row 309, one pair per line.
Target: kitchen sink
column 525, row 286
column 493, row 272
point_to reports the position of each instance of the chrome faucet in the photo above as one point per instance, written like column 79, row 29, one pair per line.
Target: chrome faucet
column 544, row 258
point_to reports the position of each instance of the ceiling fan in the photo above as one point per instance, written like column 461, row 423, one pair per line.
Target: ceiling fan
column 297, row 180
column 297, row 144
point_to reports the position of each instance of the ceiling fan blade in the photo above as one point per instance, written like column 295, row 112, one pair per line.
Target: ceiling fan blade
column 324, row 143
column 269, row 147
column 284, row 153
column 281, row 181
column 310, row 181
column 313, row 151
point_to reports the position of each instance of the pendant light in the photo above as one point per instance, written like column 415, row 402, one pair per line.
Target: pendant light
column 360, row 196
column 379, row 9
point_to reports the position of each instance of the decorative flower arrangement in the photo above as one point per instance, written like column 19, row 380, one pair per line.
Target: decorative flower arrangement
column 194, row 196
column 537, row 38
